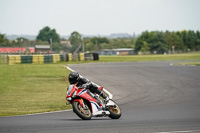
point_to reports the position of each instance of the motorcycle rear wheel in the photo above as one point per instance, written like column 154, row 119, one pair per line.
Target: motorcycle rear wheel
column 115, row 112
column 83, row 113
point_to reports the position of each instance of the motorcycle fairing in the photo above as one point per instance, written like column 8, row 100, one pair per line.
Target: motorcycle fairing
column 110, row 103
column 95, row 108
column 82, row 94
column 80, row 101
column 93, row 102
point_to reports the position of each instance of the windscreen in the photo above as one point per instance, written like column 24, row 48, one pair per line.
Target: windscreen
column 69, row 89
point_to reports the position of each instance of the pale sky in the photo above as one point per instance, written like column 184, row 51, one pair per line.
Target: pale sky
column 98, row 17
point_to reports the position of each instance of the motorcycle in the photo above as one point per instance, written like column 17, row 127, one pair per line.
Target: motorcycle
column 86, row 105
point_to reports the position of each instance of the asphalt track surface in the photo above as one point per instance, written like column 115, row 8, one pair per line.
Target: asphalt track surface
column 153, row 96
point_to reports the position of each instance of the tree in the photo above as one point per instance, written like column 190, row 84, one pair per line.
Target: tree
column 163, row 48
column 3, row 41
column 89, row 46
column 21, row 42
column 172, row 39
column 191, row 40
column 183, row 36
column 47, row 33
column 56, row 47
column 155, row 41
column 75, row 40
column 39, row 42
column 99, row 42
column 198, row 40
column 145, row 49
column 140, row 41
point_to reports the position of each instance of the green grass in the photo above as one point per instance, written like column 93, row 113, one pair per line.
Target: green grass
column 29, row 88
column 188, row 63
column 136, row 58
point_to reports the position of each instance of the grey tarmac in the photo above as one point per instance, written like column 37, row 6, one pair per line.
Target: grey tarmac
column 154, row 97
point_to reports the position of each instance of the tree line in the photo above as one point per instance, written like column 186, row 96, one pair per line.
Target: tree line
column 166, row 42
column 75, row 39
column 147, row 43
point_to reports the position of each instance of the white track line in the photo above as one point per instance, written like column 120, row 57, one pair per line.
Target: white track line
column 39, row 113
column 106, row 91
column 189, row 131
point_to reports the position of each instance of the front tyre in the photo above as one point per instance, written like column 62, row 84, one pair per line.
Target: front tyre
column 83, row 113
column 115, row 111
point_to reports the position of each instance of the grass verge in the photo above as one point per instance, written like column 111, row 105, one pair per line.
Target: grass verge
column 136, row 58
column 29, row 88
column 188, row 63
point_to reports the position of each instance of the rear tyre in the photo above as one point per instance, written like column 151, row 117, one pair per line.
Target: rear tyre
column 83, row 113
column 115, row 111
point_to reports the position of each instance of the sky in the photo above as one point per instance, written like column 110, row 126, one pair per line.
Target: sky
column 98, row 17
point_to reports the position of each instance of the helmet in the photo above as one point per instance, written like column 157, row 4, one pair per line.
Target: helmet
column 73, row 77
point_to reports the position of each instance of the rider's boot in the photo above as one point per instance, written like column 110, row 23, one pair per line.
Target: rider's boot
column 105, row 100
column 105, row 97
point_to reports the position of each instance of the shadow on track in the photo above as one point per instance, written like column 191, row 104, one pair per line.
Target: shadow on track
column 94, row 119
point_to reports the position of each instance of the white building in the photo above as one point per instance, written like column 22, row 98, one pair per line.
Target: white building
column 119, row 51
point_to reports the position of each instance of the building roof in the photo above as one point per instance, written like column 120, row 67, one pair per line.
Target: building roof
column 123, row 49
column 16, row 49
column 118, row 49
column 42, row 46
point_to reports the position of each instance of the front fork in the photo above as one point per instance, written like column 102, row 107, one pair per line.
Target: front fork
column 81, row 102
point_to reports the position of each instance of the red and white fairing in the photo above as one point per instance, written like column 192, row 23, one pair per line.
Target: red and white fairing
column 77, row 94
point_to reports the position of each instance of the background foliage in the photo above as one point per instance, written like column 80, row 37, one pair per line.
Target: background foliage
column 153, row 42
column 163, row 42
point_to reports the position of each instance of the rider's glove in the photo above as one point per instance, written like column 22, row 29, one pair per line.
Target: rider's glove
column 84, row 86
column 87, row 85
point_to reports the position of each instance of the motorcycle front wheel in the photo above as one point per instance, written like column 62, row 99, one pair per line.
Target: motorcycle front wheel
column 83, row 113
column 115, row 111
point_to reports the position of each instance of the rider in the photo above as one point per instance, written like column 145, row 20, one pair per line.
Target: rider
column 85, row 83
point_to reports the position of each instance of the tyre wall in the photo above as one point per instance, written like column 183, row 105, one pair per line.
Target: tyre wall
column 34, row 59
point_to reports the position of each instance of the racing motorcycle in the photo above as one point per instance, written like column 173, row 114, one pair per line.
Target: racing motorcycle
column 86, row 105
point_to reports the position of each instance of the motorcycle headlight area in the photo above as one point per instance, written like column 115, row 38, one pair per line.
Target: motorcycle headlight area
column 69, row 98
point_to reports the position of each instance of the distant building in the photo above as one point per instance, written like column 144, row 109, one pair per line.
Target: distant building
column 42, row 48
column 119, row 51
column 65, row 42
